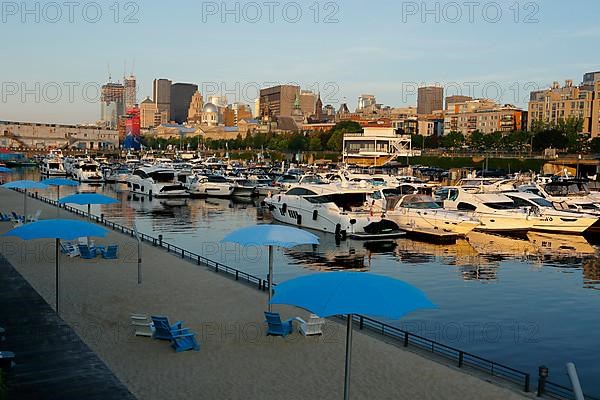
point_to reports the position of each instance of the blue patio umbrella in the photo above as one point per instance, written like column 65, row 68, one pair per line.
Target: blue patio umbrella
column 25, row 185
column 271, row 235
column 4, row 170
column 349, row 293
column 89, row 199
column 58, row 182
column 66, row 229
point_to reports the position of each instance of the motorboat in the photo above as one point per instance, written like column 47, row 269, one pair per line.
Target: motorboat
column 547, row 218
column 118, row 173
column 156, row 181
column 52, row 166
column 495, row 211
column 333, row 208
column 209, row 186
column 420, row 213
column 242, row 187
column 87, row 170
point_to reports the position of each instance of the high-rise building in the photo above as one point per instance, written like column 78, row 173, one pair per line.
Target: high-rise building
column 558, row 103
column 129, row 83
column 278, row 100
column 161, row 93
column 181, row 98
column 430, row 99
column 256, row 113
column 112, row 97
column 308, row 102
column 365, row 101
column 147, row 111
column 451, row 100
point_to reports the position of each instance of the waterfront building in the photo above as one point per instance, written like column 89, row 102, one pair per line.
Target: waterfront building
column 181, row 99
column 236, row 112
column 430, row 99
column 256, row 111
column 278, row 100
column 376, row 146
column 210, row 115
column 557, row 103
column 161, row 94
column 150, row 117
column 485, row 116
column 308, row 102
column 41, row 136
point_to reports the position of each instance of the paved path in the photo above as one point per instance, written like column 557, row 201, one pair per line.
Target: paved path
column 236, row 359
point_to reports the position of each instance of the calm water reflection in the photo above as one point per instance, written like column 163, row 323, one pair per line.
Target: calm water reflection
column 520, row 301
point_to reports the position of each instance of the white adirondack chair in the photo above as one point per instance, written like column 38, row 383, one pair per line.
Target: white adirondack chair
column 143, row 325
column 314, row 325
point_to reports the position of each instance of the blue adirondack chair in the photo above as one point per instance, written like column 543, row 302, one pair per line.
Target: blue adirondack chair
column 162, row 328
column 110, row 252
column 183, row 340
column 86, row 252
column 17, row 217
column 276, row 327
column 5, row 217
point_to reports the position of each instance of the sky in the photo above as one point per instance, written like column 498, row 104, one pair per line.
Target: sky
column 56, row 55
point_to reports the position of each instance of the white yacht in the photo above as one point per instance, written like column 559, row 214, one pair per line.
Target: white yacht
column 419, row 212
column 264, row 184
column 155, row 181
column 118, row 173
column 87, row 170
column 52, row 166
column 330, row 208
column 494, row 211
column 547, row 219
column 242, row 187
column 209, row 186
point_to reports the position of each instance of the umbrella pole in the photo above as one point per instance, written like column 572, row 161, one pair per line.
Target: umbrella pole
column 25, row 206
column 270, row 277
column 57, row 259
column 348, row 357
column 89, row 212
column 57, row 203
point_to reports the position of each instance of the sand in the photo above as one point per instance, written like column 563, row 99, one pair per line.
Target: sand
column 236, row 359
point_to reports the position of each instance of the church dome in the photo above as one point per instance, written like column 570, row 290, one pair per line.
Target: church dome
column 210, row 108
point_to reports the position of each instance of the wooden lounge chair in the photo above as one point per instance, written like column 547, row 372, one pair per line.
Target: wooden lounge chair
column 276, row 327
column 142, row 324
column 162, row 328
column 314, row 325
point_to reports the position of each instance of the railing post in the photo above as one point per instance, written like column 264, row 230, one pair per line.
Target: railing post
column 260, row 284
column 237, row 275
column 160, row 240
column 198, row 260
column 102, row 217
column 361, row 322
column 182, row 253
column 461, row 358
column 406, row 339
column 527, row 378
column 543, row 374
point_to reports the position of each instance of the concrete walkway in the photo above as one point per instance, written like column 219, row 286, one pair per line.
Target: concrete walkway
column 236, row 359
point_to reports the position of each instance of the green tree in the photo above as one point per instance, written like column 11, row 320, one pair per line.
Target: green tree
column 477, row 140
column 336, row 137
column 453, row 140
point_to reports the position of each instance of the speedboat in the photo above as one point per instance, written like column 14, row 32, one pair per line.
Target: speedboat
column 495, row 212
column 420, row 213
column 331, row 208
column 156, row 181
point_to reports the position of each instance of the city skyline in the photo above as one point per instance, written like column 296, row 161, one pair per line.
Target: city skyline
column 331, row 58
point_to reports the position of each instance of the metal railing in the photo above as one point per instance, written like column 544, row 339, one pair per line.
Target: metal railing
column 461, row 358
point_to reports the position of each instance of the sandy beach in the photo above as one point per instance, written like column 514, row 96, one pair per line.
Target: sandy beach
column 236, row 359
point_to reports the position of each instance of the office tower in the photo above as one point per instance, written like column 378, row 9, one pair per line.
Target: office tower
column 430, row 99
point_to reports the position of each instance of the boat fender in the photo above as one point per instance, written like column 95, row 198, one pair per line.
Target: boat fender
column 270, row 194
column 338, row 230
column 352, row 221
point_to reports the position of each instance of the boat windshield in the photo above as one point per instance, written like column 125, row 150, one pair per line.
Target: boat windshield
column 419, row 202
column 542, row 202
column 502, row 206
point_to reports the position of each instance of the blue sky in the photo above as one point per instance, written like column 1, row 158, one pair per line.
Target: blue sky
column 380, row 47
